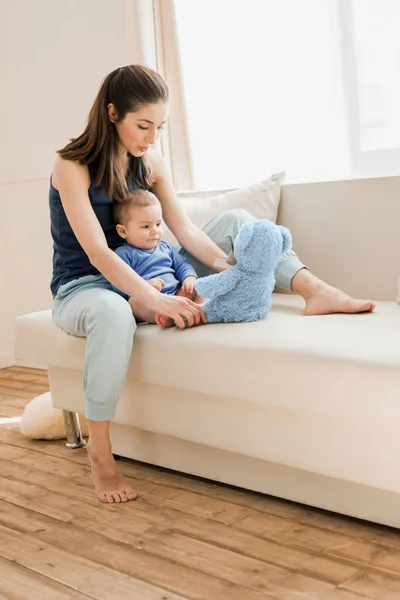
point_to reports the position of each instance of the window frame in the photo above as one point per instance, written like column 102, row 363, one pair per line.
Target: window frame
column 371, row 163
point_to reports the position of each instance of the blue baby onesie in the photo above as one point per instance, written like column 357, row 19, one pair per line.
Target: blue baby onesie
column 163, row 262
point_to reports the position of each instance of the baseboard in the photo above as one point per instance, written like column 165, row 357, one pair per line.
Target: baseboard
column 29, row 365
column 6, row 360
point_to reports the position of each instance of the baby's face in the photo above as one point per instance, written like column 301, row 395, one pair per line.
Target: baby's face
column 144, row 228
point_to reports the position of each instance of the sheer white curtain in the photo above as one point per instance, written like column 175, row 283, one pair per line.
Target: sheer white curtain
column 311, row 87
column 152, row 41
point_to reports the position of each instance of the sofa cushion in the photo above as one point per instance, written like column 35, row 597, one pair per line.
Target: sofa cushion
column 260, row 199
column 365, row 339
column 315, row 393
column 244, row 359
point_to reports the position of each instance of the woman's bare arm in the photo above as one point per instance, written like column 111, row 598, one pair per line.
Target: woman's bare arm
column 188, row 235
column 72, row 181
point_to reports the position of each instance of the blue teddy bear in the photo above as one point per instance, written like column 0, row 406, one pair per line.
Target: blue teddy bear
column 243, row 292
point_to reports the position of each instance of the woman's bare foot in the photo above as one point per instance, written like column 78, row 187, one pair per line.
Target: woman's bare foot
column 323, row 299
column 332, row 300
column 162, row 321
column 110, row 486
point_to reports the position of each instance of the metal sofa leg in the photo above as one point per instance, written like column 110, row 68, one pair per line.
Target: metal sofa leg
column 73, row 430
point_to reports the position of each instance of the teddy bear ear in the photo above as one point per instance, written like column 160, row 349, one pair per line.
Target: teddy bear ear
column 243, row 239
column 287, row 239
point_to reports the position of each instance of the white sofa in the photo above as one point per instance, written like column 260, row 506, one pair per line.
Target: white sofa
column 304, row 408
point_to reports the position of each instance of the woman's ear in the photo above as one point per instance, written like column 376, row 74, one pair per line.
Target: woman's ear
column 112, row 113
column 121, row 231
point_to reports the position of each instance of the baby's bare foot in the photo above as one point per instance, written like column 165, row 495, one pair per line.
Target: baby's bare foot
column 110, row 486
column 162, row 321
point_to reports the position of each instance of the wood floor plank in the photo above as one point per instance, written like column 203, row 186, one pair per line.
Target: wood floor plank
column 10, row 411
column 196, row 504
column 244, row 518
column 277, row 575
column 227, row 564
column 19, row 506
column 100, row 566
column 339, row 594
column 74, row 571
column 12, row 401
column 303, row 515
column 14, row 384
column 9, row 376
column 48, row 447
column 375, row 585
column 275, row 507
column 45, row 462
column 9, row 424
column 190, row 504
column 328, row 544
column 45, row 482
column 275, row 580
column 22, row 393
column 19, row 583
column 185, row 537
column 311, row 565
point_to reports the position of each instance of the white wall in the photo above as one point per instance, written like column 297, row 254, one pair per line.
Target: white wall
column 53, row 56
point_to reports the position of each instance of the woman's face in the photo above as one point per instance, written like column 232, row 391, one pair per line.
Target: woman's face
column 140, row 129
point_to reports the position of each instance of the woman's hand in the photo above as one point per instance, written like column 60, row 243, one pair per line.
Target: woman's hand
column 188, row 235
column 184, row 312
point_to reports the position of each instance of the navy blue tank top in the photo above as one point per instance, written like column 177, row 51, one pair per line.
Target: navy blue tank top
column 70, row 261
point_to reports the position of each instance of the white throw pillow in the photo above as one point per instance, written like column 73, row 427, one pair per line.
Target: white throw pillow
column 260, row 199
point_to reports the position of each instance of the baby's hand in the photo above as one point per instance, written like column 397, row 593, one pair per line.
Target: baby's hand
column 188, row 284
column 156, row 283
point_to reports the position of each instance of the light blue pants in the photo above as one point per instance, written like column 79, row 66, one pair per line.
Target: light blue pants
column 87, row 307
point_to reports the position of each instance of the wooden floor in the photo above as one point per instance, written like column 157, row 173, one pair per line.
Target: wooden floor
column 184, row 538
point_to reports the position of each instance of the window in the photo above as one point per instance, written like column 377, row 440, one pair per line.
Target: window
column 371, row 47
column 310, row 87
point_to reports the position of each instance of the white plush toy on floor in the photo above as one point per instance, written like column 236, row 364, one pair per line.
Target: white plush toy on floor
column 41, row 421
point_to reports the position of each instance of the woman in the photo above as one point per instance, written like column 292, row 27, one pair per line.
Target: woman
column 112, row 155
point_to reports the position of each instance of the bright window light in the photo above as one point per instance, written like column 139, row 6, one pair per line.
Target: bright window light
column 302, row 86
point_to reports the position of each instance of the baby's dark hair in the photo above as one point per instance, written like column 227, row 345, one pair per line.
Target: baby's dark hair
column 133, row 199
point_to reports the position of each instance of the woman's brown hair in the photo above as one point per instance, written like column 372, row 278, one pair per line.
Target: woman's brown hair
column 128, row 89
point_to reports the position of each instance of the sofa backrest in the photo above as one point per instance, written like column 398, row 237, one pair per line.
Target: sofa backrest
column 348, row 232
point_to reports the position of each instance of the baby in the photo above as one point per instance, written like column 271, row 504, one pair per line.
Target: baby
column 138, row 220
